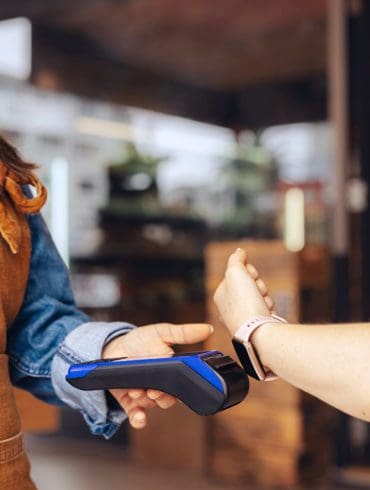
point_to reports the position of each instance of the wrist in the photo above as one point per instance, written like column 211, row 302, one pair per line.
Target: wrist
column 256, row 364
column 264, row 340
column 113, row 348
column 113, row 344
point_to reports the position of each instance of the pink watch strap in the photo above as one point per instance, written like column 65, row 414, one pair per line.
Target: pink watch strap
column 245, row 331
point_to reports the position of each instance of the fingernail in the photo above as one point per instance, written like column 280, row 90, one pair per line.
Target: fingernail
column 139, row 417
column 153, row 396
column 134, row 395
column 212, row 328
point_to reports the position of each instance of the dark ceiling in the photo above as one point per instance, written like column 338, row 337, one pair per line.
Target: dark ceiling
column 218, row 60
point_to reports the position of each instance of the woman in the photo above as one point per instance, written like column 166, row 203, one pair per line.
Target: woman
column 42, row 332
column 329, row 361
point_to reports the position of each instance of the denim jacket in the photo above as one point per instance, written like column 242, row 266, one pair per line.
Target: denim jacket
column 50, row 333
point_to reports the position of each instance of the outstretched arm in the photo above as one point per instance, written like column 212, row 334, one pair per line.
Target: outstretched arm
column 331, row 362
column 50, row 334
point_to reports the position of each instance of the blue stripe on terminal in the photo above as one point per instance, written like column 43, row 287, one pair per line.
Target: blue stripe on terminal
column 81, row 370
column 207, row 373
column 195, row 363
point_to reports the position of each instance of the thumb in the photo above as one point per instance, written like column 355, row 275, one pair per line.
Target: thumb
column 190, row 333
column 239, row 257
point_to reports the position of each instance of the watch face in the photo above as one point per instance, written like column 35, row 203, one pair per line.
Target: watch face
column 248, row 360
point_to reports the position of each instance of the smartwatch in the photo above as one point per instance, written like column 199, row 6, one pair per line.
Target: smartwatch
column 245, row 351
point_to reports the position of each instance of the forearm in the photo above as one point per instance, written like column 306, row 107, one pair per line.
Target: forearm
column 332, row 362
column 86, row 343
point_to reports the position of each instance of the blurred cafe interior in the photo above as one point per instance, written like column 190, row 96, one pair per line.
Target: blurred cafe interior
column 169, row 133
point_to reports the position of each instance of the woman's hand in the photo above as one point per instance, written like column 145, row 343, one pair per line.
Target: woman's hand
column 242, row 294
column 314, row 358
column 151, row 340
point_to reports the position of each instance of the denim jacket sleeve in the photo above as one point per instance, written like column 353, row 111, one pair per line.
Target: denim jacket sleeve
column 50, row 333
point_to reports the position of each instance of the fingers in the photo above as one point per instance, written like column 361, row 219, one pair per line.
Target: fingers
column 136, row 402
column 128, row 403
column 163, row 400
column 239, row 257
column 252, row 271
column 166, row 402
column 137, row 418
column 269, row 303
column 183, row 334
column 261, row 286
column 264, row 291
column 154, row 394
column 136, row 394
column 137, row 415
